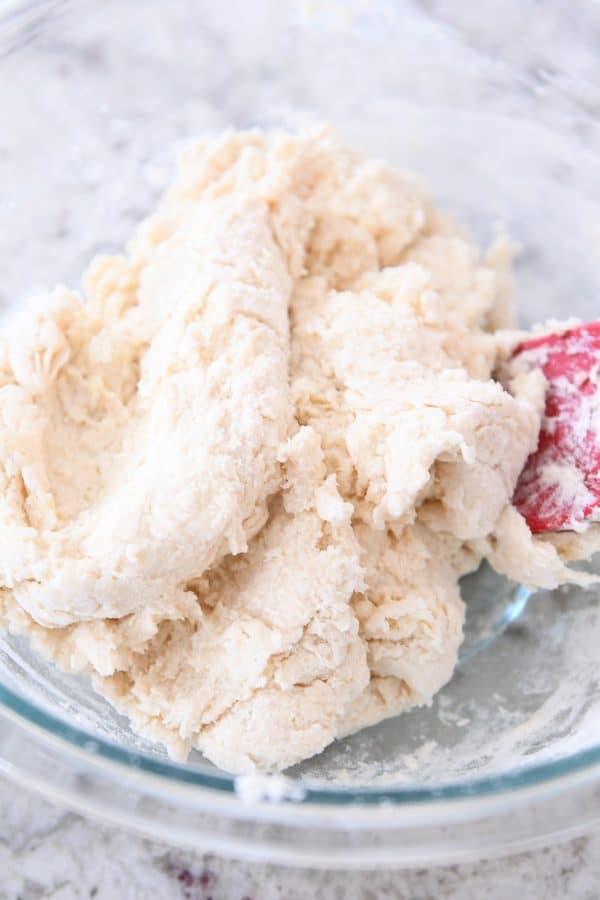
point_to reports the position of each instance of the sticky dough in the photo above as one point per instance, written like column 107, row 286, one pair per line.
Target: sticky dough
column 242, row 472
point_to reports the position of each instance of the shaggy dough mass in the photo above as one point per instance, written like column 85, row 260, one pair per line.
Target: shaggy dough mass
column 243, row 471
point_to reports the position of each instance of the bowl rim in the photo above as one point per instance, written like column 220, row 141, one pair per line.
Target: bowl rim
column 160, row 774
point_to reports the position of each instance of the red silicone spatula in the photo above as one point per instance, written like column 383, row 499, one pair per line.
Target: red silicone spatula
column 559, row 488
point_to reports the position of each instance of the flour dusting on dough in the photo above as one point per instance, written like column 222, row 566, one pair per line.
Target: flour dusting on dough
column 242, row 472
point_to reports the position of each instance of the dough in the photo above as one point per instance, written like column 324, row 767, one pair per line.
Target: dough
column 242, row 472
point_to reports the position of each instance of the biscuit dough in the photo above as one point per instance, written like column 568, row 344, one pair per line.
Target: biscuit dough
column 242, row 472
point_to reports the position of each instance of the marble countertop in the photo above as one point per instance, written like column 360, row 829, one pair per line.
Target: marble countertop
column 47, row 852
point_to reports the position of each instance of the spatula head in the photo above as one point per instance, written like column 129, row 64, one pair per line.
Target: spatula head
column 559, row 488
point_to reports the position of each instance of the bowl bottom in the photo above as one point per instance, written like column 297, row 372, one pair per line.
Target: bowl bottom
column 525, row 692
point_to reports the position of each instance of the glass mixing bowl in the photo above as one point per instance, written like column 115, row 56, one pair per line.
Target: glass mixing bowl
column 498, row 108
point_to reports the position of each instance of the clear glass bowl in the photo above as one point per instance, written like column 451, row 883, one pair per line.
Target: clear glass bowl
column 499, row 111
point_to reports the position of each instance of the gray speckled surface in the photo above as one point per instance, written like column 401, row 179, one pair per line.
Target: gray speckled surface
column 47, row 852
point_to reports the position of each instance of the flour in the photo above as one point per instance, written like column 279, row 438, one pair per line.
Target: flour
column 569, row 486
